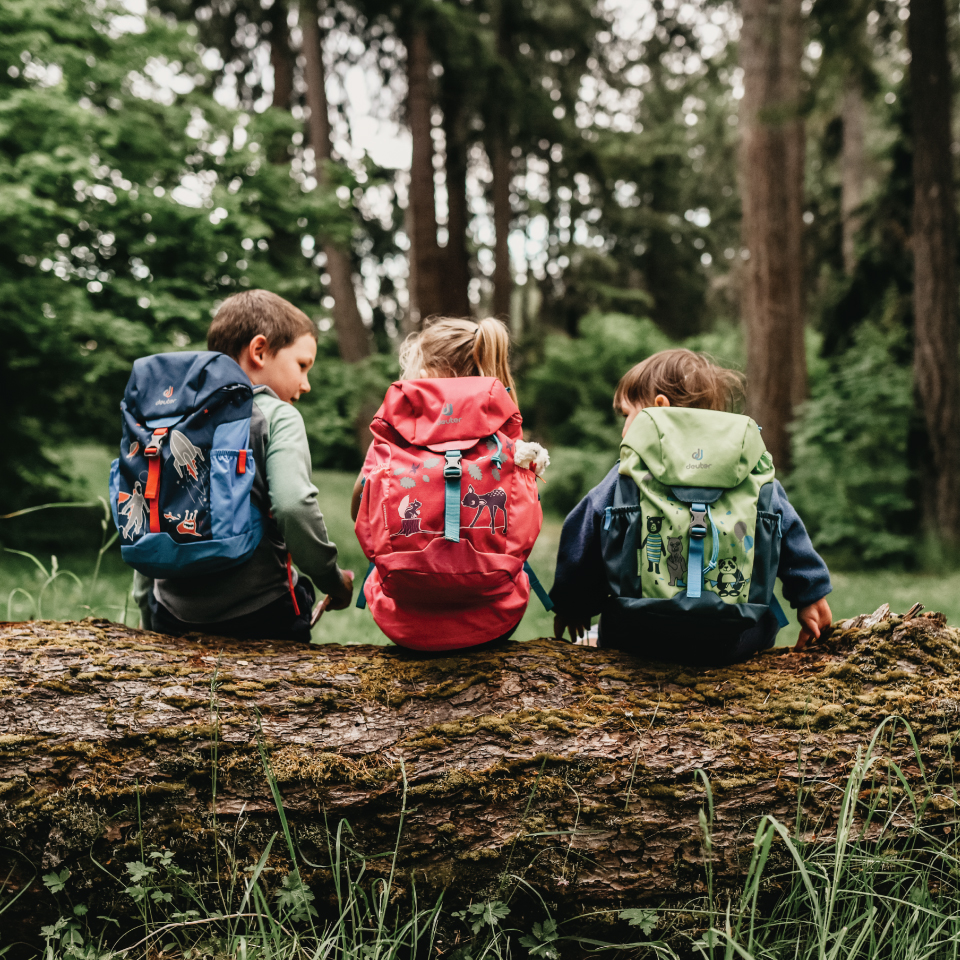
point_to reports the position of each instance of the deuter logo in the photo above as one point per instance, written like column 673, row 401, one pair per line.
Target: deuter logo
column 447, row 412
column 168, row 393
column 698, row 455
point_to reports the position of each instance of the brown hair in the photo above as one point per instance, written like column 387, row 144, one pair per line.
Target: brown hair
column 685, row 378
column 251, row 313
column 450, row 347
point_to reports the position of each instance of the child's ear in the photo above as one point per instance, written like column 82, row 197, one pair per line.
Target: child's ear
column 257, row 350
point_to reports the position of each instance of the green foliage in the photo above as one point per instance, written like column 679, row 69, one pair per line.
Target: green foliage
column 341, row 396
column 646, row 920
column 131, row 202
column 568, row 398
column 852, row 476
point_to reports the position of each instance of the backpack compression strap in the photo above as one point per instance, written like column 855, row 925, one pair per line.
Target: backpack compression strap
column 698, row 532
column 154, row 463
column 452, row 472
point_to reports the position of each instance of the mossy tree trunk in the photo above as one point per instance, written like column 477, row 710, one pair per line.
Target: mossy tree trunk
column 574, row 768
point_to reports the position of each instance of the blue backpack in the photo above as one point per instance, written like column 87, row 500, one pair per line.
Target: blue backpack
column 180, row 490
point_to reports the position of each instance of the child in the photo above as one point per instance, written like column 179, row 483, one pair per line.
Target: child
column 275, row 345
column 639, row 579
column 448, row 439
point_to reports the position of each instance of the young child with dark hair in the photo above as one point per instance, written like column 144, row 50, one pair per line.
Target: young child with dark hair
column 275, row 345
column 581, row 590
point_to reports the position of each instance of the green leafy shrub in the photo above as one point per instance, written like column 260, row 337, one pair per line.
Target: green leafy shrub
column 342, row 401
column 567, row 399
column 851, row 474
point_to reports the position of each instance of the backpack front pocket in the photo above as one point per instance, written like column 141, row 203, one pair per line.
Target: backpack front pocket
column 231, row 479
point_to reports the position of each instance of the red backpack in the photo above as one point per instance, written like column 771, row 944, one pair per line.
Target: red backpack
column 447, row 518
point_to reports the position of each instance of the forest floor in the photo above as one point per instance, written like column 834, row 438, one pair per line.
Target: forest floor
column 23, row 594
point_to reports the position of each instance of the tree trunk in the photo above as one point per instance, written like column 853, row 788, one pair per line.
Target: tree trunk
column 424, row 247
column 456, row 288
column 935, row 294
column 573, row 768
column 771, row 165
column 281, row 58
column 502, row 217
column 852, row 170
column 352, row 335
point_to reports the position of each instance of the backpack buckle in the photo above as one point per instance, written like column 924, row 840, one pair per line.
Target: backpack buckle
column 153, row 448
column 698, row 523
column 451, row 468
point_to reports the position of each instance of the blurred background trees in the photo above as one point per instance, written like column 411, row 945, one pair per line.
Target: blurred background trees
column 769, row 181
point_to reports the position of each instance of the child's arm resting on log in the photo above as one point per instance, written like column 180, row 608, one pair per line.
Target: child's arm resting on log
column 293, row 498
column 804, row 575
column 580, row 583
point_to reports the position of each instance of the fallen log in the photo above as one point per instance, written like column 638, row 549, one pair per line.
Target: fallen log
column 574, row 768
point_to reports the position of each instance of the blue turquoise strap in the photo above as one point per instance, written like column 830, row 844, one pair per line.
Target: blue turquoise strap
column 777, row 611
column 537, row 587
column 362, row 600
column 698, row 531
column 451, row 496
column 497, row 458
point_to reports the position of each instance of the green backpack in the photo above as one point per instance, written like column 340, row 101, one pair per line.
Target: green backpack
column 691, row 547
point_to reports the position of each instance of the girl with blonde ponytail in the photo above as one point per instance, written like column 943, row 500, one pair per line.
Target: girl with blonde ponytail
column 451, row 347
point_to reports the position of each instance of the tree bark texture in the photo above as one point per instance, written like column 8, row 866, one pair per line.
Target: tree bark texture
column 456, row 288
column 428, row 274
column 574, row 768
column 935, row 296
column 852, row 170
column 352, row 336
column 771, row 172
column 281, row 57
column 502, row 217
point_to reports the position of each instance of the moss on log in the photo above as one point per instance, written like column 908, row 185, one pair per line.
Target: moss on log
column 574, row 768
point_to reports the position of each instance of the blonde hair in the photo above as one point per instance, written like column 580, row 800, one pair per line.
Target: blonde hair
column 685, row 378
column 452, row 347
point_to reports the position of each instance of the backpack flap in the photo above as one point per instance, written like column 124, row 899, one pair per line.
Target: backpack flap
column 447, row 413
column 689, row 447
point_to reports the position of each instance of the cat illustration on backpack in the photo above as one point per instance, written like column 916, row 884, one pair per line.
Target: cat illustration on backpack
column 493, row 501
column 410, row 516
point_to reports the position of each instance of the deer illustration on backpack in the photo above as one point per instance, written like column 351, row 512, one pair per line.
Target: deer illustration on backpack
column 493, row 501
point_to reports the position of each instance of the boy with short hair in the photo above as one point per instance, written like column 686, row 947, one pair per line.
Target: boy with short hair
column 275, row 344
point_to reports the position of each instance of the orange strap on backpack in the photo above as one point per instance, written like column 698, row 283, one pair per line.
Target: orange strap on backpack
column 154, row 463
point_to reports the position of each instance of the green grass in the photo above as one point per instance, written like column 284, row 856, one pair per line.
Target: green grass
column 854, row 591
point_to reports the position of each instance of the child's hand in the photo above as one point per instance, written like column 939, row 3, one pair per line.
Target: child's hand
column 577, row 630
column 813, row 619
column 342, row 600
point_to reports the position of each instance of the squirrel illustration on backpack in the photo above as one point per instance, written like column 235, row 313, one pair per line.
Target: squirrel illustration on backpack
column 410, row 516
column 493, row 501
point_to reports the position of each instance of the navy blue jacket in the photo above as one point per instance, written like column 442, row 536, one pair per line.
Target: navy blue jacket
column 580, row 582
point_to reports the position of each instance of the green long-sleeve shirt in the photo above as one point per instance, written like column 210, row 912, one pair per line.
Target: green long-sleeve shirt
column 287, row 498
